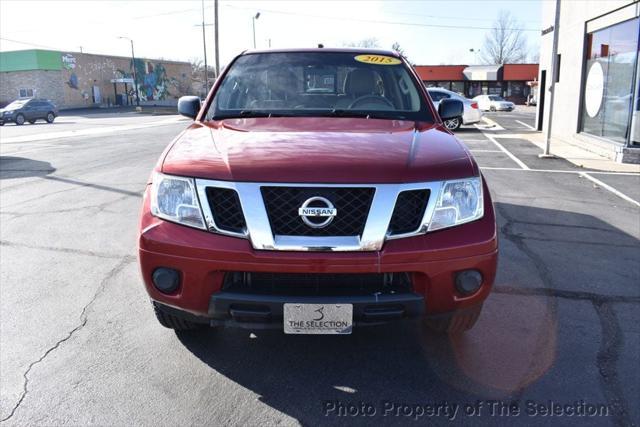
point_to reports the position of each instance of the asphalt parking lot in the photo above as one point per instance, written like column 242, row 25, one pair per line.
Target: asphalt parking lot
column 79, row 343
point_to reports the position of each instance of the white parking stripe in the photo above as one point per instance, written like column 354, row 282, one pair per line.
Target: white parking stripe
column 610, row 188
column 559, row 171
column 486, row 151
column 525, row 125
column 507, row 152
column 88, row 131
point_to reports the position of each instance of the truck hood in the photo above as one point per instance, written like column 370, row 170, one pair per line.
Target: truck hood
column 318, row 150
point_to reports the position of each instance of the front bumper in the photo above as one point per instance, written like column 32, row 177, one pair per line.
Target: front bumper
column 203, row 258
column 505, row 108
column 238, row 309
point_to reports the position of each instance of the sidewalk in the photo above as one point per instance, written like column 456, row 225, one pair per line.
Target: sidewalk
column 145, row 109
column 578, row 156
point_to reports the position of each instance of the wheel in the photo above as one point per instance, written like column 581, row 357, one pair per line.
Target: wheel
column 19, row 119
column 454, row 323
column 32, row 121
column 50, row 117
column 453, row 124
column 173, row 322
column 492, row 108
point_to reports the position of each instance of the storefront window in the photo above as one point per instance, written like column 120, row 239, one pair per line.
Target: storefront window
column 457, row 87
column 474, row 89
column 609, row 84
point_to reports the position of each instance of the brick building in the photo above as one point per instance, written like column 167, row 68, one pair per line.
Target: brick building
column 74, row 80
column 511, row 81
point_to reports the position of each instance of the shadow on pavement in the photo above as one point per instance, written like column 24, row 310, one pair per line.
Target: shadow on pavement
column 518, row 342
column 20, row 167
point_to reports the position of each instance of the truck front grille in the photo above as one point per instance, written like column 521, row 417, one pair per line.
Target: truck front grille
column 317, row 284
column 226, row 209
column 352, row 204
column 409, row 211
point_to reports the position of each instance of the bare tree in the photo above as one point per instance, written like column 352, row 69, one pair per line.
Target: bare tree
column 396, row 47
column 368, row 42
column 197, row 76
column 506, row 42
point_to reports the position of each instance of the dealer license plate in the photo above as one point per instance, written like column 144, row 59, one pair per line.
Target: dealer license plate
column 318, row 318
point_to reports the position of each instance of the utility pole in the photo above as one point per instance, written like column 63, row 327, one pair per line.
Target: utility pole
column 204, row 44
column 133, row 63
column 552, row 88
column 215, row 29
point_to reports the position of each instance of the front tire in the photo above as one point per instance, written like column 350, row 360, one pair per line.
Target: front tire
column 173, row 322
column 453, row 124
column 19, row 119
column 454, row 323
column 492, row 109
column 50, row 117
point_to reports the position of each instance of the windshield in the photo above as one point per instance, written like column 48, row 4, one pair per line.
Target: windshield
column 316, row 84
column 16, row 104
column 495, row 98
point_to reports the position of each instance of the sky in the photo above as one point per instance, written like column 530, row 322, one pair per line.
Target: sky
column 430, row 32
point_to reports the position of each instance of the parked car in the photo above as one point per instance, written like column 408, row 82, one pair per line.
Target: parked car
column 314, row 211
column 494, row 103
column 471, row 112
column 28, row 110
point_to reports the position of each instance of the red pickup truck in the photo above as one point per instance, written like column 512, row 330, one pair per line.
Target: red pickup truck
column 315, row 191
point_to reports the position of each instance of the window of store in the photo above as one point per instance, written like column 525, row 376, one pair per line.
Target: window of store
column 608, row 86
column 495, row 88
column 474, row 89
column 25, row 93
column 457, row 87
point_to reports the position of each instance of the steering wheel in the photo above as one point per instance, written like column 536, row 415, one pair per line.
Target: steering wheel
column 372, row 99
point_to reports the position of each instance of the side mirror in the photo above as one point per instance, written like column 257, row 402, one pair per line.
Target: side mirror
column 189, row 106
column 450, row 109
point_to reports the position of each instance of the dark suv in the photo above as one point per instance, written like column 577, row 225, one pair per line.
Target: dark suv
column 28, row 110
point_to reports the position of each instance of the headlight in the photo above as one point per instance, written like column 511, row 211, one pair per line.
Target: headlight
column 174, row 198
column 460, row 201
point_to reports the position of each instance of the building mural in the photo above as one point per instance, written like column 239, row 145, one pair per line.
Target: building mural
column 153, row 81
column 75, row 79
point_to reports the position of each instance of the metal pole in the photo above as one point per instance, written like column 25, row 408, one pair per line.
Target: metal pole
column 253, row 21
column 554, row 73
column 135, row 79
column 215, row 28
column 204, row 45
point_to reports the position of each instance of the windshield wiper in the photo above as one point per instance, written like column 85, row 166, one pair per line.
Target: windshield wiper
column 338, row 112
column 367, row 114
column 250, row 113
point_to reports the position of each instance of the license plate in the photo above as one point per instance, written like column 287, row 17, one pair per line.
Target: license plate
column 318, row 318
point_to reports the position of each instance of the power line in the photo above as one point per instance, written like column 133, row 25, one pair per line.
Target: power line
column 372, row 21
column 29, row 44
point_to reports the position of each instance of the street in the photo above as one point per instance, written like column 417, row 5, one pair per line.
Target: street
column 80, row 344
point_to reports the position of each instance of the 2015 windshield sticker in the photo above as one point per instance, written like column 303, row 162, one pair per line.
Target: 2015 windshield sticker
column 378, row 59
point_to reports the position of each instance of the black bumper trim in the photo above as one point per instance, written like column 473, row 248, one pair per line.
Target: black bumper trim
column 252, row 310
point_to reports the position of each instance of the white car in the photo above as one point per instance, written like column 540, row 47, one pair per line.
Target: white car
column 494, row 103
column 471, row 114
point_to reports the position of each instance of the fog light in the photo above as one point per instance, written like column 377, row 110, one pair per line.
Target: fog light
column 468, row 281
column 165, row 279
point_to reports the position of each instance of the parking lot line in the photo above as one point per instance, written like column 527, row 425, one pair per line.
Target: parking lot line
column 525, row 125
column 486, row 151
column 576, row 172
column 611, row 189
column 507, row 152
